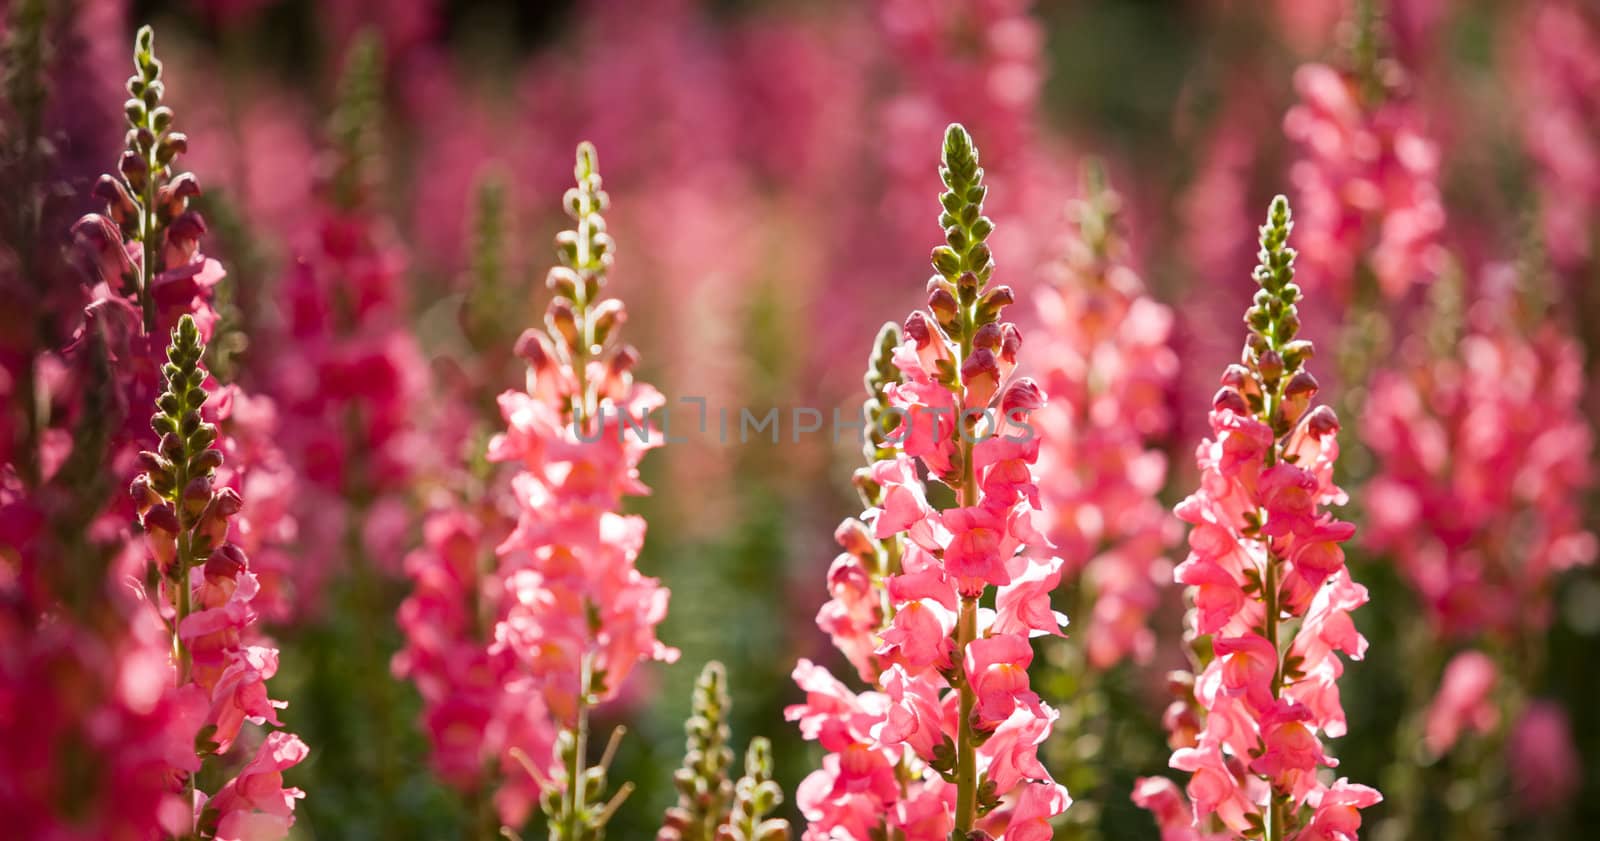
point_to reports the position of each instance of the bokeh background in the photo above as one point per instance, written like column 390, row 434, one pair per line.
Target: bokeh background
column 772, row 173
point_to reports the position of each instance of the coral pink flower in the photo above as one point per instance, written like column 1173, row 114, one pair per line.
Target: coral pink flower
column 1557, row 73
column 1464, row 701
column 1367, row 184
column 1483, row 453
column 1109, row 372
column 1270, row 587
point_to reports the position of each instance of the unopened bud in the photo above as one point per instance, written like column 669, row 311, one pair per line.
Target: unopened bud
column 853, row 536
column 605, row 317
column 532, row 347
column 226, row 562
column 563, row 281
column 1021, row 396
column 196, row 495
column 993, row 302
column 987, row 337
column 980, row 373
column 1270, row 364
column 564, row 321
column 1322, row 422
column 1227, row 398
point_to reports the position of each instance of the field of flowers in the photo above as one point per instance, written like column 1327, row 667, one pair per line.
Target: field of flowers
column 843, row 420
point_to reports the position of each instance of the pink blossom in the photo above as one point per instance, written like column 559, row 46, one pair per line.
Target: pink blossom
column 1464, row 701
column 1367, row 183
column 1546, row 769
column 255, row 805
column 1483, row 452
column 1270, row 587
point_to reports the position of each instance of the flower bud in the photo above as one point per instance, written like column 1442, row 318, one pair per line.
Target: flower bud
column 226, row 562
column 1023, row 395
column 1270, row 364
column 987, row 337
column 993, row 302
column 1297, row 395
column 1227, row 398
column 853, row 536
column 967, row 286
column 1322, row 422
column 196, row 495
column 532, row 347
column 980, row 374
column 563, row 320
column 605, row 316
column 563, row 281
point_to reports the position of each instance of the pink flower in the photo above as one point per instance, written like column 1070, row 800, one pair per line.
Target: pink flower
column 1336, row 811
column 1269, row 586
column 255, row 806
column 918, row 638
column 1546, row 770
column 1036, row 806
column 1023, row 605
column 950, row 698
column 998, row 668
column 979, row 546
column 1464, row 701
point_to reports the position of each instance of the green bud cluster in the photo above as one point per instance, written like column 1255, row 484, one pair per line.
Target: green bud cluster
column 710, row 806
column 145, row 200
column 881, row 373
column 704, row 791
column 586, row 819
column 581, row 326
column 756, row 796
column 185, row 516
column 355, row 125
column 963, row 263
column 1271, row 381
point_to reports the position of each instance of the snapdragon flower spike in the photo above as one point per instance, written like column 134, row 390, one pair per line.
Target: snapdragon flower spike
column 207, row 587
column 146, row 245
column 1109, row 368
column 945, row 743
column 1270, row 589
column 349, row 372
column 755, row 796
column 711, row 807
column 484, row 715
column 704, row 791
column 579, row 615
column 1480, row 524
column 1367, row 179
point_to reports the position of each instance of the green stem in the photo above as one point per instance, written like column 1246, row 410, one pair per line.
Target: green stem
column 1275, row 817
column 966, row 749
column 572, row 820
column 966, row 630
column 147, row 237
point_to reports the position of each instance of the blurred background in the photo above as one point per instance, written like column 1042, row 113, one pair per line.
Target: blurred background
column 772, row 170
